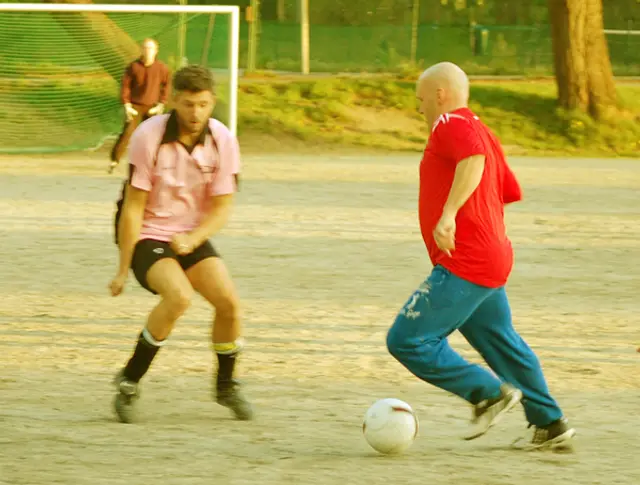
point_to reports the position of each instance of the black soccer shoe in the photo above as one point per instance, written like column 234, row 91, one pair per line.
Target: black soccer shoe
column 228, row 395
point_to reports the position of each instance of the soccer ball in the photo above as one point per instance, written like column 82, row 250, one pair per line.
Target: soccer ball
column 390, row 426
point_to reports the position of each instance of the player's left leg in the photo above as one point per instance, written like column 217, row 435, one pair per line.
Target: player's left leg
column 418, row 340
column 209, row 277
column 490, row 331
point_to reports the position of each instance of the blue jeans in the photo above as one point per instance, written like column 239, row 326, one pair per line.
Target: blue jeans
column 445, row 303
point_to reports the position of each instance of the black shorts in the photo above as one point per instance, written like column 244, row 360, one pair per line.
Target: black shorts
column 148, row 251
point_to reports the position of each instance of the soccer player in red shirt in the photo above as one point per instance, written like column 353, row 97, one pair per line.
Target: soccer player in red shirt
column 465, row 183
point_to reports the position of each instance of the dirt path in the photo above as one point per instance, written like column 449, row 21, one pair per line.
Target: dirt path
column 324, row 251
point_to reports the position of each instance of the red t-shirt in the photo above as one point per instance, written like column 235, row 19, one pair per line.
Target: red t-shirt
column 483, row 253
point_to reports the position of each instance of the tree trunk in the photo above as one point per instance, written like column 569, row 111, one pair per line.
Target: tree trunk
column 601, row 87
column 581, row 57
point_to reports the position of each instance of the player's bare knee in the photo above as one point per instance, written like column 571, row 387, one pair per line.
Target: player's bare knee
column 228, row 307
column 178, row 302
column 401, row 344
column 394, row 342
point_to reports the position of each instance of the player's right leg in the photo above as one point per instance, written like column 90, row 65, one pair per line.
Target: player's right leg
column 157, row 270
column 209, row 277
column 418, row 340
column 490, row 331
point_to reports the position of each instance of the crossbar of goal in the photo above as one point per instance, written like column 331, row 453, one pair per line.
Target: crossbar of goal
column 234, row 31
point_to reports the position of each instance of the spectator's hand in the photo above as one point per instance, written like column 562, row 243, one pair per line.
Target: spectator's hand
column 130, row 112
column 445, row 233
column 158, row 109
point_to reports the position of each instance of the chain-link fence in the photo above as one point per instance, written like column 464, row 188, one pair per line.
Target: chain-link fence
column 479, row 49
column 483, row 36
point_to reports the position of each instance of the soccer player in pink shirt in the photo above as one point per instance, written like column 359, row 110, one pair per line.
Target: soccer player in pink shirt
column 465, row 183
column 184, row 168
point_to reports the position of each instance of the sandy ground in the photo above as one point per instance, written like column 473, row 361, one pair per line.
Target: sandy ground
column 324, row 251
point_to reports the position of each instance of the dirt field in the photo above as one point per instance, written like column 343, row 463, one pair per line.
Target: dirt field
column 324, row 251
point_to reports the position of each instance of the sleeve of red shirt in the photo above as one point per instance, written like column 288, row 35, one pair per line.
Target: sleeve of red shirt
column 125, row 86
column 142, row 157
column 457, row 139
column 511, row 191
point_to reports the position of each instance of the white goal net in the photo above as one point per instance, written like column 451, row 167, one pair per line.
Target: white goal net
column 61, row 66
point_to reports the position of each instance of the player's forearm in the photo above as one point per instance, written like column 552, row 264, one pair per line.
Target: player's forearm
column 215, row 220
column 465, row 181
column 128, row 234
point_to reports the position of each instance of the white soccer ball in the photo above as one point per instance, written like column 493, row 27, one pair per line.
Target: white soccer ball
column 390, row 426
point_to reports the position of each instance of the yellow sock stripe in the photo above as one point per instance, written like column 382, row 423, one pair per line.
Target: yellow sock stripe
column 228, row 348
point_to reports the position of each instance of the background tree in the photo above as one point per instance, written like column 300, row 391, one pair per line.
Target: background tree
column 581, row 57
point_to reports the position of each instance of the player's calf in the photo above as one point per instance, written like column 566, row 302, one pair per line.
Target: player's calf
column 227, row 389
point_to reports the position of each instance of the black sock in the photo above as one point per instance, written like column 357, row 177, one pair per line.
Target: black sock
column 141, row 359
column 226, row 364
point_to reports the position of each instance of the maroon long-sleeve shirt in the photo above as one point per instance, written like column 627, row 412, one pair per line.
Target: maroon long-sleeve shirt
column 145, row 85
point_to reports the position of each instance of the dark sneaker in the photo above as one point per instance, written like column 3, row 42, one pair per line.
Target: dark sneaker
column 228, row 395
column 558, row 436
column 128, row 394
column 489, row 412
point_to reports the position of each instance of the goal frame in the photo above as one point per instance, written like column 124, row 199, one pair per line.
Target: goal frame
column 234, row 31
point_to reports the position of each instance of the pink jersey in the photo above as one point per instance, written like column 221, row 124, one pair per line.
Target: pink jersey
column 181, row 185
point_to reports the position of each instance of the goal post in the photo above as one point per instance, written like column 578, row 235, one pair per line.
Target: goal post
column 61, row 65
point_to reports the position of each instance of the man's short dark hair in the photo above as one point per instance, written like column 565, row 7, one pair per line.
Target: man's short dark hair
column 194, row 79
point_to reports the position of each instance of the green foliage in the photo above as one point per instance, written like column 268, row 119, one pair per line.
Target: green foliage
column 397, row 12
column 523, row 115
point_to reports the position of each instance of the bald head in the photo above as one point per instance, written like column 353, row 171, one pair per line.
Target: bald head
column 442, row 88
